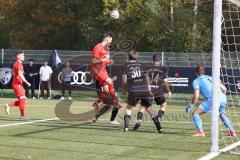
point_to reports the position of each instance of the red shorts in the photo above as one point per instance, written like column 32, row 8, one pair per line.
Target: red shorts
column 18, row 89
column 102, row 77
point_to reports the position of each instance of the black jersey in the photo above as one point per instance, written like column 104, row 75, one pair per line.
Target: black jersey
column 157, row 75
column 136, row 77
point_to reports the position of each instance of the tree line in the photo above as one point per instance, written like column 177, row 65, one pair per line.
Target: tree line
column 79, row 24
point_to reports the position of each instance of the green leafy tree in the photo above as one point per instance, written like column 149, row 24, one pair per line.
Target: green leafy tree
column 79, row 24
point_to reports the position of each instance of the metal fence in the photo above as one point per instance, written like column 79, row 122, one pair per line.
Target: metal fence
column 83, row 57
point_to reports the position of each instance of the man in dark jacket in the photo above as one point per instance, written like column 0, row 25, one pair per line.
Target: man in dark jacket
column 31, row 74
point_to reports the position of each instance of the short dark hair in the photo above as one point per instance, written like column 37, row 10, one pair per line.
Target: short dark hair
column 200, row 70
column 45, row 61
column 19, row 52
column 31, row 60
column 133, row 55
column 156, row 58
column 107, row 34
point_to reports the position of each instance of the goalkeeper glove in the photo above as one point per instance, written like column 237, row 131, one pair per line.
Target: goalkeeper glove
column 188, row 107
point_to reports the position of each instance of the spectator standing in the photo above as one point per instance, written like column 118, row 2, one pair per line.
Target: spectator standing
column 31, row 74
column 45, row 79
column 67, row 74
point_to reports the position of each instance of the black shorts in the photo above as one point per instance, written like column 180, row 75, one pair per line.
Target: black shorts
column 160, row 100
column 132, row 100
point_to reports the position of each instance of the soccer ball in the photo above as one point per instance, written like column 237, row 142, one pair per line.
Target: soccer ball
column 114, row 14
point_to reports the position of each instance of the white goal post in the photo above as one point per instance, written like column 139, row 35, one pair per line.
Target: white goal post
column 216, row 56
column 226, row 25
column 226, row 49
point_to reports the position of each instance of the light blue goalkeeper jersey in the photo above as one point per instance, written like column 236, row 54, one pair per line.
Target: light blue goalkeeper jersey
column 204, row 84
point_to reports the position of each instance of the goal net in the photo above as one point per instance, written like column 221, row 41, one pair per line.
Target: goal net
column 230, row 71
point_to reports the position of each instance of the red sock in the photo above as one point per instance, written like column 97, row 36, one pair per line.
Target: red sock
column 14, row 104
column 22, row 106
column 102, row 96
column 112, row 91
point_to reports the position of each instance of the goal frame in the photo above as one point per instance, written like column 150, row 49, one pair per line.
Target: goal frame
column 216, row 56
column 216, row 66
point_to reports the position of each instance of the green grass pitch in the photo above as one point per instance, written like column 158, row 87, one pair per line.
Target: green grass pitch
column 58, row 140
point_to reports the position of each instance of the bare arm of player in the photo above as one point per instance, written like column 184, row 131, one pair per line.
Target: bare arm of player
column 195, row 96
column 20, row 74
column 124, row 84
column 194, row 100
column 166, row 84
column 223, row 88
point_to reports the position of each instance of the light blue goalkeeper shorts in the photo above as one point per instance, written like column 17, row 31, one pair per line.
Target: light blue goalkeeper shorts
column 206, row 106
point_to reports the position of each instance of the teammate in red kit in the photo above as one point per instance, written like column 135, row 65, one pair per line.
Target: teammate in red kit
column 99, row 61
column 17, row 85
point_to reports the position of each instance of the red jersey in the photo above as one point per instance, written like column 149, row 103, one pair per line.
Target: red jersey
column 16, row 68
column 99, row 52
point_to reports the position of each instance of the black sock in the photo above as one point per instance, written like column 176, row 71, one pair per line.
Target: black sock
column 114, row 114
column 139, row 116
column 126, row 120
column 103, row 110
column 157, row 123
column 160, row 114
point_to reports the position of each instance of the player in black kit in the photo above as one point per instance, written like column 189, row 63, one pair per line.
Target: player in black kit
column 158, row 77
column 138, row 83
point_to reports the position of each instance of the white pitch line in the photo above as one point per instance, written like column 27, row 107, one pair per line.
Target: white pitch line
column 51, row 119
column 23, row 123
column 75, row 106
column 181, row 122
column 215, row 154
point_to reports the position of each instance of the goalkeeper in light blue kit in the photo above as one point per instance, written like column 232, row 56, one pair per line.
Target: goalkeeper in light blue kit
column 203, row 85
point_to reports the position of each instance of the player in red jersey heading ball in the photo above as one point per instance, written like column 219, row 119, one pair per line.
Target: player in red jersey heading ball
column 99, row 61
column 17, row 85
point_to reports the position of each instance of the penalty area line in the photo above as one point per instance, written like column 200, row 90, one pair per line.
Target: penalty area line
column 29, row 122
column 215, row 154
